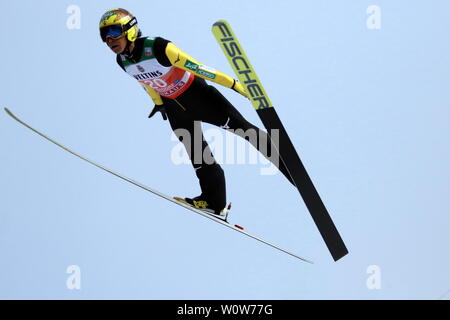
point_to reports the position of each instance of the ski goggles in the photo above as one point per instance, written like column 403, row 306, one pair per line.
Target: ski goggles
column 116, row 31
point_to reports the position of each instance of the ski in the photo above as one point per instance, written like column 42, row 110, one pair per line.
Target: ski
column 156, row 192
column 260, row 100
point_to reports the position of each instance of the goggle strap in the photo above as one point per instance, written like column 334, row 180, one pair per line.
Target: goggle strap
column 129, row 24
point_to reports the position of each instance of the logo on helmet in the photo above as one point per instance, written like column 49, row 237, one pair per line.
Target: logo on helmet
column 107, row 15
column 118, row 13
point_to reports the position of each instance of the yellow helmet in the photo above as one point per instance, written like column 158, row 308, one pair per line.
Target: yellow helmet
column 118, row 22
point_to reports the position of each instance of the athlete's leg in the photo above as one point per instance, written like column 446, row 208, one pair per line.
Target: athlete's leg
column 217, row 110
column 210, row 174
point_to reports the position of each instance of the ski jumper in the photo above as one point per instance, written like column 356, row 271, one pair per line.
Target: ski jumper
column 176, row 83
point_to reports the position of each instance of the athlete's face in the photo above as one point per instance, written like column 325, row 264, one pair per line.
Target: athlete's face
column 117, row 45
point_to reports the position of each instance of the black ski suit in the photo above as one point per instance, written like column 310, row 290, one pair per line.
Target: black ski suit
column 201, row 102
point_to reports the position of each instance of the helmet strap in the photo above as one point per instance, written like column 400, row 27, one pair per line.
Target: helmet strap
column 126, row 52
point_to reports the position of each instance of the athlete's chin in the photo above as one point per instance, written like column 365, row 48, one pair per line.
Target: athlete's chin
column 116, row 49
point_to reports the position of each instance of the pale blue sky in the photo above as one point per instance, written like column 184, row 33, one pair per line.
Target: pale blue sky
column 368, row 111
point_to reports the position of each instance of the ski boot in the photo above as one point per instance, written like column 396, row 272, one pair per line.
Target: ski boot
column 202, row 204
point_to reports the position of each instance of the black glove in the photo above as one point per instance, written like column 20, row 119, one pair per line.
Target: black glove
column 159, row 108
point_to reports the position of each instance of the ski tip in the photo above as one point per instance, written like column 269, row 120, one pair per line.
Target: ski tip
column 9, row 113
column 219, row 23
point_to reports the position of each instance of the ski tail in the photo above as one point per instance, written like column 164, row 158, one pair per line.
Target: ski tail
column 288, row 155
column 305, row 186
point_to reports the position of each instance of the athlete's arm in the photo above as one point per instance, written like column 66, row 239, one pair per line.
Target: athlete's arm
column 184, row 61
column 154, row 95
column 176, row 57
